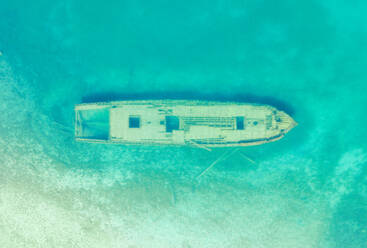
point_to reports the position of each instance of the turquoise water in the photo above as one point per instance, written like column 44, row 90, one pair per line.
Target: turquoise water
column 306, row 57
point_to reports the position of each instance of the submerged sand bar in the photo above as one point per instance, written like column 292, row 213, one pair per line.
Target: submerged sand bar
column 180, row 122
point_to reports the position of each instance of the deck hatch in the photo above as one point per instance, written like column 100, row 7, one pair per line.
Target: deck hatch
column 172, row 123
column 240, row 123
column 134, row 121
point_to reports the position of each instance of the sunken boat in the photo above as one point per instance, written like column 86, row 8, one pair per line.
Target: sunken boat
column 180, row 122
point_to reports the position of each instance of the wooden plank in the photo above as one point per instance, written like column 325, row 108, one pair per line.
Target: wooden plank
column 224, row 156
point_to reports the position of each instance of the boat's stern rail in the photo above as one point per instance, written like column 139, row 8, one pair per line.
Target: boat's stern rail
column 98, row 141
column 78, row 125
column 92, row 106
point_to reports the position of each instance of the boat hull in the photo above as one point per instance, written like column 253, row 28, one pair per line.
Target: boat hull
column 180, row 123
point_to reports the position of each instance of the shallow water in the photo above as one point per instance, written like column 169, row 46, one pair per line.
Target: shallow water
column 305, row 57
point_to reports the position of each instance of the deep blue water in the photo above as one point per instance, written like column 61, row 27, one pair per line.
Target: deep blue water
column 308, row 58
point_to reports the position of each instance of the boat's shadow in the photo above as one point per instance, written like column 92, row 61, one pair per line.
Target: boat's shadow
column 190, row 95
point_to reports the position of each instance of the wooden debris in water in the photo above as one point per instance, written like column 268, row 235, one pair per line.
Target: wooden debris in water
column 200, row 146
column 247, row 158
column 221, row 158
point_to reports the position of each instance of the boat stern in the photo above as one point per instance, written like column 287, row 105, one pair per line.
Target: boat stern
column 92, row 123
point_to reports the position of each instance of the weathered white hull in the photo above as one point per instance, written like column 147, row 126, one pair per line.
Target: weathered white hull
column 180, row 122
